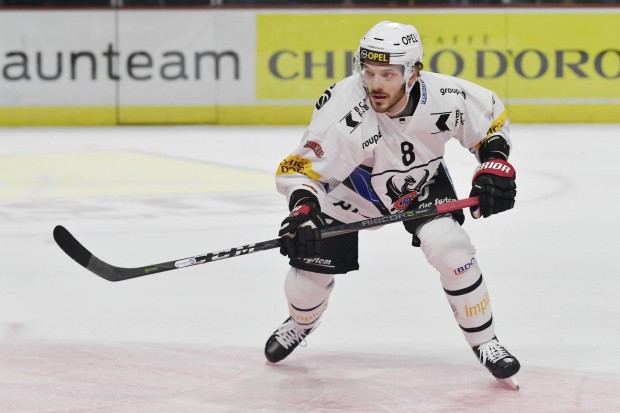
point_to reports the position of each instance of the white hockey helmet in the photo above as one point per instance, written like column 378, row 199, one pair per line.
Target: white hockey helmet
column 392, row 43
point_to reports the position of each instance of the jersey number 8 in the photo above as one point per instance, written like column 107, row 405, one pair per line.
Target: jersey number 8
column 408, row 155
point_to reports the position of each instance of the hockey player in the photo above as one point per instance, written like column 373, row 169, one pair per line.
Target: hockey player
column 374, row 147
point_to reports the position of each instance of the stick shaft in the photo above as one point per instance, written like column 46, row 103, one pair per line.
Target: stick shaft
column 400, row 217
column 74, row 249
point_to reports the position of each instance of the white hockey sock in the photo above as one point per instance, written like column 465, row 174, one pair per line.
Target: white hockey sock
column 307, row 294
column 472, row 309
column 447, row 248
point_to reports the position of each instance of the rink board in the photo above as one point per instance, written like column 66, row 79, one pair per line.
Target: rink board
column 252, row 67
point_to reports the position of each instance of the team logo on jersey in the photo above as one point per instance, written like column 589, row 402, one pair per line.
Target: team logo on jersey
column 350, row 122
column 324, row 97
column 442, row 122
column 316, row 148
column 404, row 195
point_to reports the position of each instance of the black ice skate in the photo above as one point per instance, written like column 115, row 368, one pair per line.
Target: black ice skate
column 502, row 365
column 284, row 340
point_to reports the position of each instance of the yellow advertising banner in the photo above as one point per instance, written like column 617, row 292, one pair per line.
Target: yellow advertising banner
column 556, row 66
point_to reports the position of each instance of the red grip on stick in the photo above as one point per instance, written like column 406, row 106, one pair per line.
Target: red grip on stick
column 460, row 204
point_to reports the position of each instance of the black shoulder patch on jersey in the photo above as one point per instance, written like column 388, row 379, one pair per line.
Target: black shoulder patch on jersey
column 324, row 98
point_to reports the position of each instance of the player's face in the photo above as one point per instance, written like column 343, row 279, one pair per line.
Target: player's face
column 386, row 86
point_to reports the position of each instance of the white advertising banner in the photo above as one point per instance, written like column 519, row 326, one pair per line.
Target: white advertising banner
column 56, row 58
column 186, row 57
column 128, row 66
column 268, row 66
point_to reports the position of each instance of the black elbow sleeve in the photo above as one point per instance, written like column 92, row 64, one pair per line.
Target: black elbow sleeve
column 304, row 197
column 494, row 147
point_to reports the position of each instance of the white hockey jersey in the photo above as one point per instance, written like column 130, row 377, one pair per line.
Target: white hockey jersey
column 362, row 164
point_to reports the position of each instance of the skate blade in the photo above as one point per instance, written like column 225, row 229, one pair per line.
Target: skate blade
column 510, row 383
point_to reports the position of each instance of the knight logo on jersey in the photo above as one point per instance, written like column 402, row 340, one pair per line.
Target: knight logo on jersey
column 407, row 192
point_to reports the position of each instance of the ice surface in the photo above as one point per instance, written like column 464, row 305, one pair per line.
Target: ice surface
column 191, row 340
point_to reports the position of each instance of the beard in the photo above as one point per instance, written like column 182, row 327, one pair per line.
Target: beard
column 384, row 102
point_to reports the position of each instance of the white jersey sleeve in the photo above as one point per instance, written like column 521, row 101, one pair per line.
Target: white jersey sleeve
column 317, row 164
column 483, row 113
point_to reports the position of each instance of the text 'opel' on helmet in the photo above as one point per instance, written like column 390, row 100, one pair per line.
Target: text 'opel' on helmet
column 390, row 43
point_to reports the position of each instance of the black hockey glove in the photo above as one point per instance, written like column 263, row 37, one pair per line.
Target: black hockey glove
column 300, row 232
column 494, row 183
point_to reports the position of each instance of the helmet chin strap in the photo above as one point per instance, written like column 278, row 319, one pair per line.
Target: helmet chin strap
column 395, row 113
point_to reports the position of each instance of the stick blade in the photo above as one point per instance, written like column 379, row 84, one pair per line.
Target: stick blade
column 71, row 246
column 82, row 256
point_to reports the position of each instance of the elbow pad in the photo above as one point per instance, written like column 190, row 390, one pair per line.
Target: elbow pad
column 494, row 147
column 303, row 197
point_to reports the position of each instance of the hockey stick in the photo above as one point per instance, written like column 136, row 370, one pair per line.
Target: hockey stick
column 74, row 249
